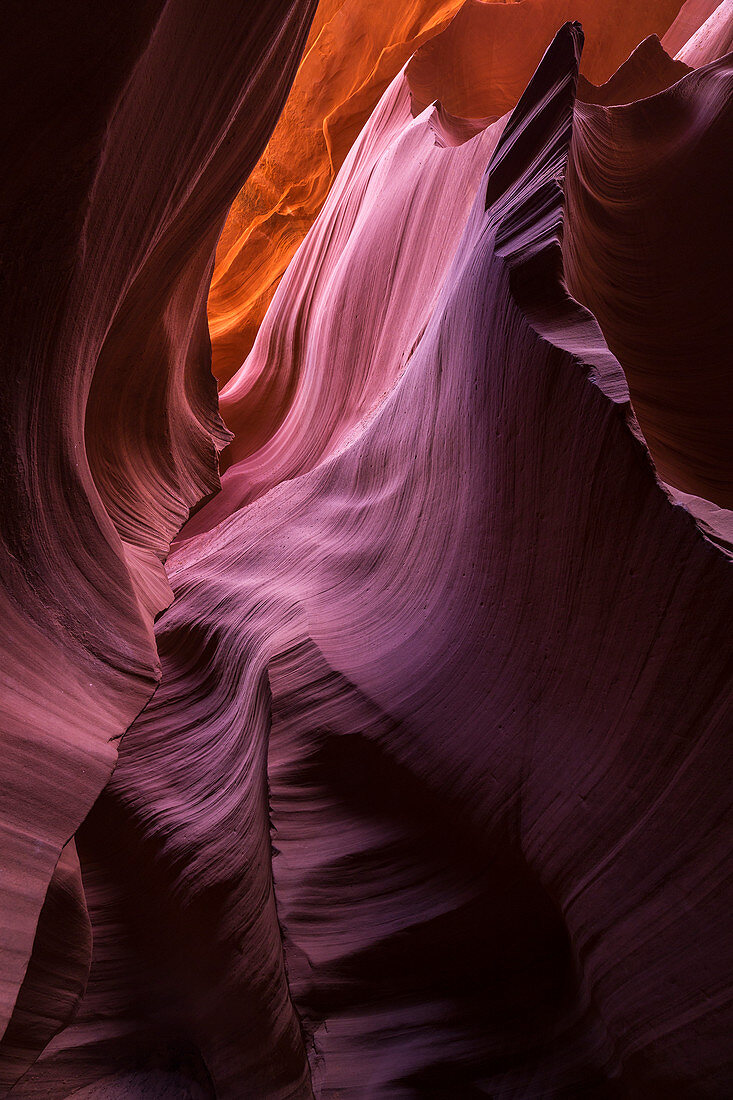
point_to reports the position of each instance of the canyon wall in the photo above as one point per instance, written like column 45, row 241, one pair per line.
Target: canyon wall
column 418, row 787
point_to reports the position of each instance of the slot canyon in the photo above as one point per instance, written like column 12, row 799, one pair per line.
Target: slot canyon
column 366, row 521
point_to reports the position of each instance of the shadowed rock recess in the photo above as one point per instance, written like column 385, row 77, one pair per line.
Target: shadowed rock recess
column 395, row 764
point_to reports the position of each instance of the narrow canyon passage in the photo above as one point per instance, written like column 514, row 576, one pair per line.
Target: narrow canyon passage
column 408, row 764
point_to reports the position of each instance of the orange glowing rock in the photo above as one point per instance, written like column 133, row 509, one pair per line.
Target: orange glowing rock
column 479, row 66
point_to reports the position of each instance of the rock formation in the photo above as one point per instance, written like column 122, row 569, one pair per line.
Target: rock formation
column 475, row 57
column 430, row 798
column 128, row 129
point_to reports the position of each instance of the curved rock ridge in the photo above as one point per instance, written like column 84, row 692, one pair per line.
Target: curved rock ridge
column 329, row 104
column 647, row 261
column 481, row 63
column 128, row 129
column 286, row 412
column 429, row 800
column 648, row 70
column 475, row 57
column 355, row 300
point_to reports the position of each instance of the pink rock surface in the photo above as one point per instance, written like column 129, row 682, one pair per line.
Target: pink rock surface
column 468, row 672
column 127, row 130
column 712, row 39
column 430, row 800
column 57, row 972
column 691, row 16
column 355, row 300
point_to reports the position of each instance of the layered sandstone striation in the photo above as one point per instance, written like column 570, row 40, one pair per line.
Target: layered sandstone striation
column 475, row 57
column 430, row 799
column 128, row 129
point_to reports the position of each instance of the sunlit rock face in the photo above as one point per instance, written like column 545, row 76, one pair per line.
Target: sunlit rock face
column 364, row 281
column 430, row 800
column 476, row 58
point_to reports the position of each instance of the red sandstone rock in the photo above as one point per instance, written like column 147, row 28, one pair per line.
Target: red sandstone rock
column 473, row 670
column 431, row 798
column 127, row 131
column 475, row 57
